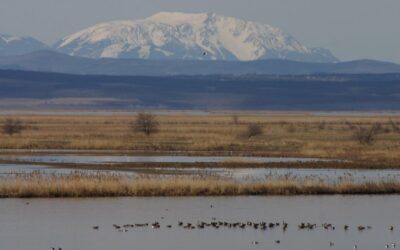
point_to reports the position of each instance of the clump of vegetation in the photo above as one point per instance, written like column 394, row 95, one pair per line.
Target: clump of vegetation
column 367, row 136
column 395, row 126
column 146, row 123
column 350, row 125
column 254, row 129
column 12, row 126
column 322, row 125
column 291, row 128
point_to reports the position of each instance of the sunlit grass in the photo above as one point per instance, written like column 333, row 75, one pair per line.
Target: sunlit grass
column 283, row 135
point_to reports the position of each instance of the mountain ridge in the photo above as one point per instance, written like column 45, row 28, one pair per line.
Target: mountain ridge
column 51, row 61
column 199, row 36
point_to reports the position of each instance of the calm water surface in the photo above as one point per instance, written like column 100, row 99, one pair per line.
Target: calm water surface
column 68, row 223
column 241, row 174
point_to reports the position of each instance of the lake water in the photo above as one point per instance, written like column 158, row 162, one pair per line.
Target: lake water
column 54, row 164
column 40, row 224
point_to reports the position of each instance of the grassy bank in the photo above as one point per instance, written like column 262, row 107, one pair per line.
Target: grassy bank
column 300, row 135
column 83, row 185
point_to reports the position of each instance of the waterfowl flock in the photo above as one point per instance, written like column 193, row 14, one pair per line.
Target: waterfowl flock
column 248, row 225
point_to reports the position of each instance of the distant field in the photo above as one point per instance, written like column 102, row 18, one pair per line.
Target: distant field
column 326, row 92
column 291, row 134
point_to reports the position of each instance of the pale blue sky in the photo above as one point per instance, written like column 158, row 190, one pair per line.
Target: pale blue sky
column 351, row 29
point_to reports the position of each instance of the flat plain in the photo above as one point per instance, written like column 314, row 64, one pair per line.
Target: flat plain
column 283, row 135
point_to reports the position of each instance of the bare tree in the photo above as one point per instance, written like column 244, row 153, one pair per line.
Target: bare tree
column 367, row 135
column 12, row 126
column 254, row 129
column 235, row 119
column 146, row 123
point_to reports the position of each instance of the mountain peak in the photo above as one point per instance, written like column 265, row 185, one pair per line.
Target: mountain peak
column 14, row 45
column 195, row 36
column 176, row 19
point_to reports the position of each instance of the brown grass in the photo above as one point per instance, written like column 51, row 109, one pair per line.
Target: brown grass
column 284, row 135
column 99, row 185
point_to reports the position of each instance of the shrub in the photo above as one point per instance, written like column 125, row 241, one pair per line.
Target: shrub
column 322, row 125
column 12, row 126
column 367, row 135
column 254, row 130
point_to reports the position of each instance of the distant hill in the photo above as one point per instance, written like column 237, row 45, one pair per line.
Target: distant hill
column 49, row 61
column 13, row 45
column 21, row 89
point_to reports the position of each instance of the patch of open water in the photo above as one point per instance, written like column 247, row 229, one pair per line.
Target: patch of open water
column 68, row 223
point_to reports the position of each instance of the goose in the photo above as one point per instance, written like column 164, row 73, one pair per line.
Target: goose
column 285, row 225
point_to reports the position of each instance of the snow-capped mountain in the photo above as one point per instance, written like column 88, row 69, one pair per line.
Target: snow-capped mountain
column 12, row 45
column 204, row 36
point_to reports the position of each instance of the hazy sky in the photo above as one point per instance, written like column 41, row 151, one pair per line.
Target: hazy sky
column 351, row 29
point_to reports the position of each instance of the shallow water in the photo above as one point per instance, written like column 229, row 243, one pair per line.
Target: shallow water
column 100, row 159
column 240, row 174
column 68, row 223
column 9, row 170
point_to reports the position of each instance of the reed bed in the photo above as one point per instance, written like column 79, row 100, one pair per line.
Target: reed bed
column 78, row 184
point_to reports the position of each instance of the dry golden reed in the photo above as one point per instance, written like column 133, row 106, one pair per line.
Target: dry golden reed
column 101, row 185
column 284, row 134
